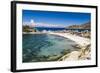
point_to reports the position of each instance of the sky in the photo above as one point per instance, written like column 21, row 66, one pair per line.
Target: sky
column 54, row 19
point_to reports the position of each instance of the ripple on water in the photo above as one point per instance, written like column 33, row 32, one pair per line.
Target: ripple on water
column 41, row 47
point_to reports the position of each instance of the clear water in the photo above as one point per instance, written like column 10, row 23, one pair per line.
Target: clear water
column 58, row 29
column 40, row 47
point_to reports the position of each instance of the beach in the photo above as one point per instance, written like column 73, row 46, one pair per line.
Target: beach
column 56, row 36
column 83, row 43
column 79, row 40
column 82, row 54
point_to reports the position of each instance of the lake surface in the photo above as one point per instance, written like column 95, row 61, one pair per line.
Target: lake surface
column 45, row 47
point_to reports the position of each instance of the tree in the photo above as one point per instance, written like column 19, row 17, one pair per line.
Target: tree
column 26, row 28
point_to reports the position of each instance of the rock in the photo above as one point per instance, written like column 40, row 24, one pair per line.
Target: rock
column 82, row 54
column 73, row 56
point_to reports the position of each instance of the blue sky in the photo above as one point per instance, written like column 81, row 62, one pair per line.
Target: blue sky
column 55, row 18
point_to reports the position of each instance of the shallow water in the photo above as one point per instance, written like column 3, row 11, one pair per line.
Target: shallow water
column 44, row 47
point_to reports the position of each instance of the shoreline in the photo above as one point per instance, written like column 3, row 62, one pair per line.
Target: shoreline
column 79, row 40
column 83, row 53
column 33, row 32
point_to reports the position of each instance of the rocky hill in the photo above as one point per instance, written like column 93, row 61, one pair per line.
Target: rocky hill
column 83, row 26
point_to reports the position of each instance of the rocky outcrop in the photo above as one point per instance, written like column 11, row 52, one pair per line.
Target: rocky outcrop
column 82, row 26
column 82, row 54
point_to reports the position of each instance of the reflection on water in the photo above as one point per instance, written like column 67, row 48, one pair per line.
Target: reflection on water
column 44, row 47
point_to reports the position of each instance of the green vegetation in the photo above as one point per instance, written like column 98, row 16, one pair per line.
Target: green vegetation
column 29, row 29
column 26, row 28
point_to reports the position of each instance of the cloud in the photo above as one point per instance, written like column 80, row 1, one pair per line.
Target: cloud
column 32, row 21
column 34, row 24
column 47, row 25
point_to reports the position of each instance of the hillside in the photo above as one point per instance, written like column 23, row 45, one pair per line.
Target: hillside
column 83, row 26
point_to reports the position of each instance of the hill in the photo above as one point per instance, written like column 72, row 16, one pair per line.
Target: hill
column 82, row 26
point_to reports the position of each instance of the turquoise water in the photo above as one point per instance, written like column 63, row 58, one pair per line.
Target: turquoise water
column 58, row 29
column 44, row 47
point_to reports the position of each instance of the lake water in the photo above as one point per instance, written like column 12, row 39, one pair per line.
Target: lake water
column 45, row 47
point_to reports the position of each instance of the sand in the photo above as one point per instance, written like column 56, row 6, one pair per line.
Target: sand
column 79, row 40
column 75, row 55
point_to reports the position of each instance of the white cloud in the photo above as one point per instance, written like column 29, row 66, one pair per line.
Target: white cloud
column 47, row 25
column 32, row 23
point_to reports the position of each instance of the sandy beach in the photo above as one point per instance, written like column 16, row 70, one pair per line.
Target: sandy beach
column 79, row 40
column 82, row 54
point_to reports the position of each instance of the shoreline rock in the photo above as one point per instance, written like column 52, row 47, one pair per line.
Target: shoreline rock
column 82, row 54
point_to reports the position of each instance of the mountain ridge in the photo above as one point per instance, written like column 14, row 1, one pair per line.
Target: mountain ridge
column 82, row 26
